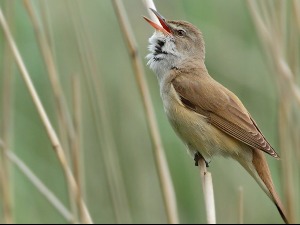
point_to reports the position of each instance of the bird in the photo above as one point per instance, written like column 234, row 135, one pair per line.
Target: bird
column 209, row 118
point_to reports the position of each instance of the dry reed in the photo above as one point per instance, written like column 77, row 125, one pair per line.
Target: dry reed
column 160, row 158
column 97, row 100
column 276, row 29
column 40, row 186
column 67, row 134
column 42, row 113
column 208, row 192
column 5, row 126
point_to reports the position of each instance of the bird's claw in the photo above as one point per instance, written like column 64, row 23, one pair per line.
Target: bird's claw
column 197, row 157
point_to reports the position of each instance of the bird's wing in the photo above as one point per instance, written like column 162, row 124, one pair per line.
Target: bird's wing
column 222, row 108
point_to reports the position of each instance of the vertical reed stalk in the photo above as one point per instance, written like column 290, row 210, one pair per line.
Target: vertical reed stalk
column 5, row 125
column 42, row 113
column 160, row 158
column 63, row 115
column 64, row 120
column 276, row 30
column 287, row 159
column 96, row 93
column 208, row 192
column 77, row 155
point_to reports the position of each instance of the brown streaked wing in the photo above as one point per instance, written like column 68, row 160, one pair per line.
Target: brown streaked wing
column 222, row 108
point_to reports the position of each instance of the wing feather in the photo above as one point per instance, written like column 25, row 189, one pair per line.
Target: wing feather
column 222, row 108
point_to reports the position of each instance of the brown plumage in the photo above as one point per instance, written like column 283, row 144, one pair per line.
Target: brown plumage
column 225, row 111
column 210, row 119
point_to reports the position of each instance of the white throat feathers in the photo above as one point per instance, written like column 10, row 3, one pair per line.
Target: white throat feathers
column 163, row 54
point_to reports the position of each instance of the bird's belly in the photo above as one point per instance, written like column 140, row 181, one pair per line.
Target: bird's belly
column 199, row 135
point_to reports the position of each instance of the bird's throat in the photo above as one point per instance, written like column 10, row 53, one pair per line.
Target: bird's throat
column 163, row 54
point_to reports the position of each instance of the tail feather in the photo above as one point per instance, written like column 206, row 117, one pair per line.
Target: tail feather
column 260, row 171
column 263, row 172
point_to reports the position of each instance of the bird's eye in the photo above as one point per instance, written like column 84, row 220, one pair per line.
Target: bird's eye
column 181, row 33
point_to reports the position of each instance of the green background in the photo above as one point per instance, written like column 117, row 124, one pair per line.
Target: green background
column 234, row 57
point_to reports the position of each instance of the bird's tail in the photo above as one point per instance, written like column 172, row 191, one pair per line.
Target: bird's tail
column 260, row 171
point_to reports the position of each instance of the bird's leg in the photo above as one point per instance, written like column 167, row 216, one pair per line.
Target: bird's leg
column 197, row 157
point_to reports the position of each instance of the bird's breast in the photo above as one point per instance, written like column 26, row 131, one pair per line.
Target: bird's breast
column 194, row 129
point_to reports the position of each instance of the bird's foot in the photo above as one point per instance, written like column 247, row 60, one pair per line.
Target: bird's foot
column 197, row 157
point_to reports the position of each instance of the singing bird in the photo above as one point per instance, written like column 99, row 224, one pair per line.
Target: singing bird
column 209, row 118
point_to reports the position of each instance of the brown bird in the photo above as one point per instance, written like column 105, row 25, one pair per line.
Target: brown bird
column 209, row 118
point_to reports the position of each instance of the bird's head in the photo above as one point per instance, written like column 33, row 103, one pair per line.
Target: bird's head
column 174, row 42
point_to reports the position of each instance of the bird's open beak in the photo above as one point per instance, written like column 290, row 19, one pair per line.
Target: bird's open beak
column 164, row 26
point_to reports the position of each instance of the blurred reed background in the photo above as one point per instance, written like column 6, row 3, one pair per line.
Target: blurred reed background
column 79, row 63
